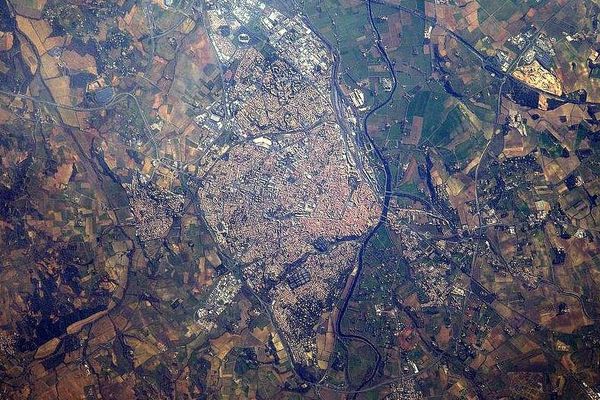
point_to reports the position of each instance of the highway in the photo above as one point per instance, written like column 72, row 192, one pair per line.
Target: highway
column 485, row 60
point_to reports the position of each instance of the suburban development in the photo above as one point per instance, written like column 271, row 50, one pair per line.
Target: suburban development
column 302, row 199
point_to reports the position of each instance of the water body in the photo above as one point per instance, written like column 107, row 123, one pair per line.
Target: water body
column 386, row 200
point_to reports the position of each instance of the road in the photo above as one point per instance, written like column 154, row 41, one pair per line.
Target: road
column 485, row 60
